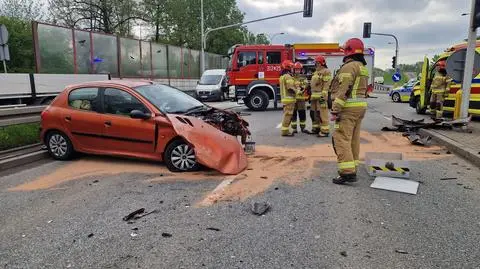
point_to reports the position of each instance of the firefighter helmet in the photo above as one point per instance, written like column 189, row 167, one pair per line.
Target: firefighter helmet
column 320, row 60
column 298, row 65
column 353, row 46
column 441, row 64
column 287, row 65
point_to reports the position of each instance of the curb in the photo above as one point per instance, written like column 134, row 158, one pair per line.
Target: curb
column 23, row 159
column 453, row 146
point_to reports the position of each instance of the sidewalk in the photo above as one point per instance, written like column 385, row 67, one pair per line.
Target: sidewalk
column 464, row 143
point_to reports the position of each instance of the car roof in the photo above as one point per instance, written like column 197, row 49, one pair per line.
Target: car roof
column 113, row 82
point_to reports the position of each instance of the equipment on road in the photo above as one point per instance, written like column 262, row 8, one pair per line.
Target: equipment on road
column 254, row 70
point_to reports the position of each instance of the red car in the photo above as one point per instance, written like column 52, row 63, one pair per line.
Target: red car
column 143, row 120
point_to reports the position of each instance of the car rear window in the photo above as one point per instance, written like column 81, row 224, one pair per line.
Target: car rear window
column 84, row 99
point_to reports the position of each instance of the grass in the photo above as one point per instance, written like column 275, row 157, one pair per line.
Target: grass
column 19, row 135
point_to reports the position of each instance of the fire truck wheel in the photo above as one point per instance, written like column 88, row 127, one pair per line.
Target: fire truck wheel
column 257, row 101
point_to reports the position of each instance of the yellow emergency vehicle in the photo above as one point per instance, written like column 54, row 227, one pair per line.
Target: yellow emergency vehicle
column 420, row 96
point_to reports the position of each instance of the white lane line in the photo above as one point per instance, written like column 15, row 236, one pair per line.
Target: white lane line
column 279, row 125
column 387, row 118
column 216, row 194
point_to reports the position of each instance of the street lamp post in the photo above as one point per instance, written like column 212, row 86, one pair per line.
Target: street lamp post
column 396, row 46
column 275, row 35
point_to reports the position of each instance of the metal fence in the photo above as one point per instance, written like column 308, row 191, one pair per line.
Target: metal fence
column 64, row 50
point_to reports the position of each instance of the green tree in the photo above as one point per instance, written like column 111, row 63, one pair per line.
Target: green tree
column 22, row 9
column 20, row 44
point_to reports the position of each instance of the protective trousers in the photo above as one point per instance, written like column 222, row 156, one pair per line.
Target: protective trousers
column 436, row 104
column 320, row 122
column 287, row 117
column 346, row 139
column 302, row 115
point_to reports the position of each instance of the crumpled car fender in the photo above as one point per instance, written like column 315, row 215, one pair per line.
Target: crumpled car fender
column 213, row 148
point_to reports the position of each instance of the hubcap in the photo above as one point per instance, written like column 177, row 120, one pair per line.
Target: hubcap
column 58, row 145
column 183, row 157
column 395, row 97
column 256, row 101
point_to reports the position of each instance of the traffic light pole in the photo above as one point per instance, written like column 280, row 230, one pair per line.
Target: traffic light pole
column 469, row 61
column 205, row 35
column 396, row 47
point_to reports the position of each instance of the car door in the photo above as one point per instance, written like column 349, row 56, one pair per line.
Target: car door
column 83, row 120
column 123, row 134
column 247, row 67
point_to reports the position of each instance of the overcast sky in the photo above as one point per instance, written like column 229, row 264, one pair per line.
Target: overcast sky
column 423, row 27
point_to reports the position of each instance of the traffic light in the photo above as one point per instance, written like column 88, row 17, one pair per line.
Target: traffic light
column 307, row 8
column 367, row 29
column 394, row 61
column 476, row 15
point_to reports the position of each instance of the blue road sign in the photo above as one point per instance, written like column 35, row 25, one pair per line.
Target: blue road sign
column 97, row 60
column 396, row 77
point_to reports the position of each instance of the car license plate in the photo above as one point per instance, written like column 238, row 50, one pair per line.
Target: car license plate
column 204, row 96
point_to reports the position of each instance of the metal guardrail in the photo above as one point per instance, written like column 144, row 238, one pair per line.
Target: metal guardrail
column 380, row 88
column 20, row 115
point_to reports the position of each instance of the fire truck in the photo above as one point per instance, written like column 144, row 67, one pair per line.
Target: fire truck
column 253, row 71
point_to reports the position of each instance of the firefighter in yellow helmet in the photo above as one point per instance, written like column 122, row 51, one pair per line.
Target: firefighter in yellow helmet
column 439, row 90
column 349, row 91
column 300, row 105
column 320, row 85
column 287, row 95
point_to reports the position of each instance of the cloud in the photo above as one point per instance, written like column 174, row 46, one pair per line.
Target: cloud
column 423, row 27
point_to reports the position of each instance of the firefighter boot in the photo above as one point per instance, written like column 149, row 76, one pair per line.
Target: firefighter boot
column 293, row 124
column 342, row 179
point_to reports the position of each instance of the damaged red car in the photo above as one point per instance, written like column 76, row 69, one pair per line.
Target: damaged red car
column 144, row 120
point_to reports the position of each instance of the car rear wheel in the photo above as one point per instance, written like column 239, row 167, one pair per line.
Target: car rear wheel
column 59, row 146
column 257, row 101
column 180, row 157
column 396, row 97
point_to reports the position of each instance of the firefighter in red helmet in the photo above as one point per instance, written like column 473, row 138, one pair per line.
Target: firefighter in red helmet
column 320, row 84
column 439, row 90
column 349, row 92
column 287, row 95
column 300, row 106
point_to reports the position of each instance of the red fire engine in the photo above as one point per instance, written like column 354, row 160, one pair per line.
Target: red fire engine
column 253, row 70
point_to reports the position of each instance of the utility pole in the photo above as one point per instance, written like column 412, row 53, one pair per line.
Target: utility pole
column 469, row 59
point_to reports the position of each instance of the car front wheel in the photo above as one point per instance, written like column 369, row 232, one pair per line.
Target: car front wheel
column 396, row 97
column 59, row 146
column 180, row 157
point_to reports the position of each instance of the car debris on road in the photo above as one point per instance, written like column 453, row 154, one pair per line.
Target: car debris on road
column 137, row 214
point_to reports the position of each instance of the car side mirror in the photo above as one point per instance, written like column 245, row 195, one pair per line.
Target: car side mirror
column 137, row 114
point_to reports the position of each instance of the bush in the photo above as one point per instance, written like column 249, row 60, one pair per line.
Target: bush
column 19, row 135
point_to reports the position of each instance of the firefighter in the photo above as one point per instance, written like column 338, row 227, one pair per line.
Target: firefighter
column 439, row 90
column 320, row 84
column 287, row 95
column 349, row 91
column 300, row 106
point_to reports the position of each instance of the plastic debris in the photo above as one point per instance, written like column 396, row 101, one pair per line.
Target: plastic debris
column 343, row 253
column 166, row 235
column 213, row 229
column 133, row 214
column 401, row 251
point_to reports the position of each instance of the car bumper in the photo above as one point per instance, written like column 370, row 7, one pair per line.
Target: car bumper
column 213, row 96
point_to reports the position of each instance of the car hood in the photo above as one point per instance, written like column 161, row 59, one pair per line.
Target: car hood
column 213, row 148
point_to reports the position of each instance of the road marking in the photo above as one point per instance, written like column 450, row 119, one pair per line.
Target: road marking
column 387, row 118
column 279, row 125
column 216, row 194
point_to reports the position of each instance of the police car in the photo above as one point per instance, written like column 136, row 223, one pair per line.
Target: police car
column 402, row 94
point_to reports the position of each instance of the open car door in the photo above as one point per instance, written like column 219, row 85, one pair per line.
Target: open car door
column 213, row 148
column 423, row 83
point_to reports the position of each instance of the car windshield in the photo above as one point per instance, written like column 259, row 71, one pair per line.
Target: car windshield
column 210, row 79
column 168, row 99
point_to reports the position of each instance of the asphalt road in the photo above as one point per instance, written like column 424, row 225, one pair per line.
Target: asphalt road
column 69, row 214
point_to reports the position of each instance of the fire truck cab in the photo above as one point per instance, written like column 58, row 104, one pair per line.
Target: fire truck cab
column 253, row 71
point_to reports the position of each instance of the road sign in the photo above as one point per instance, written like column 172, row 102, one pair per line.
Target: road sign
column 3, row 34
column 4, row 53
column 456, row 65
column 396, row 77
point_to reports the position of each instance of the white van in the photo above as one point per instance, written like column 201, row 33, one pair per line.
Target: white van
column 212, row 85
column 379, row 80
